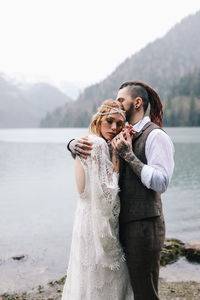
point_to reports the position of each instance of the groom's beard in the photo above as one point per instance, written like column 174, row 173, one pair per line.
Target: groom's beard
column 129, row 113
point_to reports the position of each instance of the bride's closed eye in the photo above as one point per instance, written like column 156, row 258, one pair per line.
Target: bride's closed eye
column 109, row 121
column 119, row 124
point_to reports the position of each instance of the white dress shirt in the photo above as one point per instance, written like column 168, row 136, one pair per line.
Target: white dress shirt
column 159, row 151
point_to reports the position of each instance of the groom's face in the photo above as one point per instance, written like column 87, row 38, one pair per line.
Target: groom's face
column 128, row 103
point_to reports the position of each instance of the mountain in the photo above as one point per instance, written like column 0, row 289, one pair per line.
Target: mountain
column 46, row 97
column 72, row 89
column 161, row 64
column 25, row 107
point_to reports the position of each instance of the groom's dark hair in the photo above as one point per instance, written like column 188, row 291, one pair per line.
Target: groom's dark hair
column 148, row 95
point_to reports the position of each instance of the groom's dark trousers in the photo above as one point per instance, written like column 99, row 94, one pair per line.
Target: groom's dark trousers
column 142, row 226
column 142, row 242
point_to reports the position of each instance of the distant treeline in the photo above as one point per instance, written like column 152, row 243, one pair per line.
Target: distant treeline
column 182, row 106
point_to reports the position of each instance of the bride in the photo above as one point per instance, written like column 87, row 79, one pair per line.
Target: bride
column 97, row 269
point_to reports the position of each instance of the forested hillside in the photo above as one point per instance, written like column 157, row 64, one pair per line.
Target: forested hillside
column 182, row 106
column 161, row 64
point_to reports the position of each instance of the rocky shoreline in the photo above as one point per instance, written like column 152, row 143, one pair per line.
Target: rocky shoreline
column 167, row 291
column 173, row 249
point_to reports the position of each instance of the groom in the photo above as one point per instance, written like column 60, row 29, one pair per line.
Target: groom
column 146, row 169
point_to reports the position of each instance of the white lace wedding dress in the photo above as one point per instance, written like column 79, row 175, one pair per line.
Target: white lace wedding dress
column 97, row 269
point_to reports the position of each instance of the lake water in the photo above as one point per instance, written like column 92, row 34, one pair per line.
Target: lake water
column 38, row 200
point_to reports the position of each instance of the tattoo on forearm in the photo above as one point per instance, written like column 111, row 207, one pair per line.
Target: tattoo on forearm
column 135, row 164
column 123, row 150
column 127, row 154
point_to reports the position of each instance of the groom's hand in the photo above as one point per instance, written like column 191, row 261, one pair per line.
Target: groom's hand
column 123, row 143
column 81, row 147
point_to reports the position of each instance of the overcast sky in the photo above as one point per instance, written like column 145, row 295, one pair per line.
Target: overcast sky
column 80, row 41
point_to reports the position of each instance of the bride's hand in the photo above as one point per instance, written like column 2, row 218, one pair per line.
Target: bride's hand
column 129, row 129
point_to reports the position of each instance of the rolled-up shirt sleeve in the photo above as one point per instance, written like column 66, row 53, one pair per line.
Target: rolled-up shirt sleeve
column 159, row 150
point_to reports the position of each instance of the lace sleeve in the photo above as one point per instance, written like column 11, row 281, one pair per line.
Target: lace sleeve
column 105, row 206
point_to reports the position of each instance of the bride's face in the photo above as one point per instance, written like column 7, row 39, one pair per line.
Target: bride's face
column 111, row 125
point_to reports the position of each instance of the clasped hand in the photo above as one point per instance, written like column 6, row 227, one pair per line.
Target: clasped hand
column 122, row 143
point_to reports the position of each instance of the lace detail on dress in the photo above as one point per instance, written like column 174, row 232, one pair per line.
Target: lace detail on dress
column 97, row 268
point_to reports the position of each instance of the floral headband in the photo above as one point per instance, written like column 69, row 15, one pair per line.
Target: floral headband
column 117, row 110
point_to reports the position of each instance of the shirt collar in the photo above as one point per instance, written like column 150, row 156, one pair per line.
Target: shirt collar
column 139, row 125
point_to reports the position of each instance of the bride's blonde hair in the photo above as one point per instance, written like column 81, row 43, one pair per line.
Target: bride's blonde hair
column 103, row 110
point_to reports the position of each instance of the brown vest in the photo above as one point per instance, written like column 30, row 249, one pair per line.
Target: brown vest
column 137, row 201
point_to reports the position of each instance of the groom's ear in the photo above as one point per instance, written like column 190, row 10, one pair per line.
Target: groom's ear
column 138, row 103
